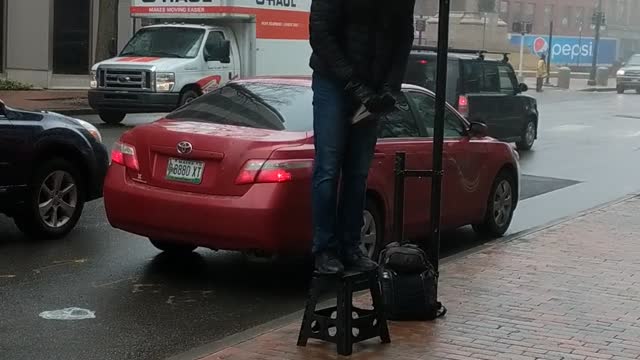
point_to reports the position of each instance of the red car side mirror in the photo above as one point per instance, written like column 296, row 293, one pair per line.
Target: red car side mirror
column 477, row 129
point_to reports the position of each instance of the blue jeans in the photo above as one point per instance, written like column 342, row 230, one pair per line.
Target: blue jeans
column 343, row 155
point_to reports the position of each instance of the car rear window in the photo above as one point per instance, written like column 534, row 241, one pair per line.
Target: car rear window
column 421, row 71
column 253, row 104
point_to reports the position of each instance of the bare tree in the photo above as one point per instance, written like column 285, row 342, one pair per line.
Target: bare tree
column 107, row 30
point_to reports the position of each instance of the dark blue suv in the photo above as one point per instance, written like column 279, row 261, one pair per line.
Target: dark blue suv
column 50, row 165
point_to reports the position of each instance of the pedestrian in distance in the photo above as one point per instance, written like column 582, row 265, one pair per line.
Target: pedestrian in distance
column 360, row 50
column 541, row 72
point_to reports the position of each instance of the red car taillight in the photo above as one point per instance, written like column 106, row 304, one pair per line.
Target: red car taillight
column 273, row 171
column 463, row 105
column 125, row 154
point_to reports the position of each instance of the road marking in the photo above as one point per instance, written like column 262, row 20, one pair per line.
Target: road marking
column 72, row 313
column 59, row 263
column 7, row 276
column 95, row 285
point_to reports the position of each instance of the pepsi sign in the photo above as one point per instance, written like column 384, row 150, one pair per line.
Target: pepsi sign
column 569, row 50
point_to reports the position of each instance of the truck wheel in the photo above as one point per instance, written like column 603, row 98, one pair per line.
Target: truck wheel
column 56, row 199
column 528, row 136
column 112, row 117
column 620, row 89
column 187, row 97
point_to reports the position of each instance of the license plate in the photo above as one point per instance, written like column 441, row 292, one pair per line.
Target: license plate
column 185, row 170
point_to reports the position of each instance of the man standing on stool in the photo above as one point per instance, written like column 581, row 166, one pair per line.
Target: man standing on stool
column 360, row 53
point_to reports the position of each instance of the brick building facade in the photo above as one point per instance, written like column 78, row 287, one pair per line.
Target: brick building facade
column 570, row 17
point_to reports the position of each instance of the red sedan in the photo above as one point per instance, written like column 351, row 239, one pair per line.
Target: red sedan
column 232, row 171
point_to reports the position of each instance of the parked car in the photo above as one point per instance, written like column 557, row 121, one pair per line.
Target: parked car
column 628, row 77
column 231, row 171
column 482, row 90
column 50, row 165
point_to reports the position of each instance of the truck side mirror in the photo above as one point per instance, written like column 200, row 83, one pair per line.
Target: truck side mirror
column 522, row 87
column 219, row 52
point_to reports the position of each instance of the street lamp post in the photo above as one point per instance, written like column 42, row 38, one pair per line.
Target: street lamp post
column 597, row 18
column 549, row 51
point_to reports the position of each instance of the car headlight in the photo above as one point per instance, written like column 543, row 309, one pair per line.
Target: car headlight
column 620, row 72
column 94, row 80
column 91, row 129
column 165, row 81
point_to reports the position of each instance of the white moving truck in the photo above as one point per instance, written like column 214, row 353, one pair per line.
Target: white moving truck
column 194, row 46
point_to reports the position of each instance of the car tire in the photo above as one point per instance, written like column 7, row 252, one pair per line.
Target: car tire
column 529, row 134
column 172, row 248
column 620, row 89
column 56, row 199
column 500, row 207
column 187, row 97
column 112, row 117
column 372, row 232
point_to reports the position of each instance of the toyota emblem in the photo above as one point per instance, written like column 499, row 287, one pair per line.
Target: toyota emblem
column 184, row 147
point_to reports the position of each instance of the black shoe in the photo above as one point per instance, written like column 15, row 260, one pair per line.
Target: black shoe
column 356, row 260
column 326, row 263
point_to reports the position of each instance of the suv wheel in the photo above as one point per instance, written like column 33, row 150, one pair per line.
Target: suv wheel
column 56, row 200
column 528, row 136
column 500, row 207
column 112, row 117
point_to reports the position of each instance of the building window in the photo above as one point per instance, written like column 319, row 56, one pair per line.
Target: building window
column 2, row 25
column 530, row 12
column 580, row 16
column 71, row 34
column 504, row 10
column 517, row 12
column 548, row 15
column 620, row 11
column 567, row 19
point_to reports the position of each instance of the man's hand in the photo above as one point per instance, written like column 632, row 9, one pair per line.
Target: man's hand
column 375, row 103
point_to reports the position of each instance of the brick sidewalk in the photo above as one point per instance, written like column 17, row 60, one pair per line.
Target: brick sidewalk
column 63, row 101
column 571, row 291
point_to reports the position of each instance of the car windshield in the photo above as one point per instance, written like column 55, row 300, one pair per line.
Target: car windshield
column 253, row 104
column 634, row 61
column 171, row 42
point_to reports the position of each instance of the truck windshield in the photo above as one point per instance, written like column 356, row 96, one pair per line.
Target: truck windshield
column 252, row 104
column 173, row 42
column 634, row 61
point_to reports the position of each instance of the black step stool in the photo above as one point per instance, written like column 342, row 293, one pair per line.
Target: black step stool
column 344, row 324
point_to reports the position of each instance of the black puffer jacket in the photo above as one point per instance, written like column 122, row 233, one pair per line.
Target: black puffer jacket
column 363, row 40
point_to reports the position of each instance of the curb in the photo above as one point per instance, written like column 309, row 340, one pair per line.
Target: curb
column 607, row 89
column 251, row 333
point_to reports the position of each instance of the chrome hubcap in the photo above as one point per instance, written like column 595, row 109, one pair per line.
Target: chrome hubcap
column 57, row 199
column 530, row 134
column 502, row 203
column 368, row 234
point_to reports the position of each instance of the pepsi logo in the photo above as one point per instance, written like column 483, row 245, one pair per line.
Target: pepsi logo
column 540, row 45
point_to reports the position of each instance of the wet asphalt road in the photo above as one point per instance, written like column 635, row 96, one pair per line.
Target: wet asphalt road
column 151, row 306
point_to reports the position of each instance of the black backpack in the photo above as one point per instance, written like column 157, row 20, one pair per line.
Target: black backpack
column 408, row 283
